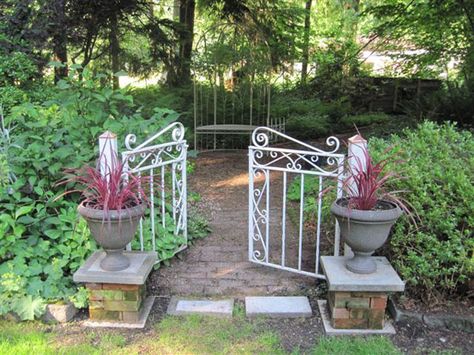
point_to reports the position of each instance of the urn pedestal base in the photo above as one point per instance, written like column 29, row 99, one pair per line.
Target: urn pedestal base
column 358, row 301
column 117, row 298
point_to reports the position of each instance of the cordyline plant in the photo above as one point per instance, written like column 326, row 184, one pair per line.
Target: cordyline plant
column 115, row 190
column 366, row 183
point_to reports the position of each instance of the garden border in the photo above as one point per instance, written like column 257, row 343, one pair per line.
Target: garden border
column 437, row 321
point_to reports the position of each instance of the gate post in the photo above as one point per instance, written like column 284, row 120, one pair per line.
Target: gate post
column 357, row 158
column 108, row 153
column 356, row 155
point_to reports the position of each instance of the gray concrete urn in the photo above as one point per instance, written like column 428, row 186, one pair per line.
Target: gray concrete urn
column 113, row 232
column 364, row 231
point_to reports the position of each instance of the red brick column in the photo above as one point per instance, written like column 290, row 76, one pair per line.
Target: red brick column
column 115, row 302
column 357, row 310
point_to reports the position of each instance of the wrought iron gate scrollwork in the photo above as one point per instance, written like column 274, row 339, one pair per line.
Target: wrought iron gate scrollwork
column 303, row 160
column 159, row 156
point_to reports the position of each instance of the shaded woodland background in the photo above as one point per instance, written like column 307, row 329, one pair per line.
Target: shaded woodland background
column 313, row 49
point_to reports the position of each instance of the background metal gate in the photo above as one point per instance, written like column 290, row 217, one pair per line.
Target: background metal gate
column 276, row 234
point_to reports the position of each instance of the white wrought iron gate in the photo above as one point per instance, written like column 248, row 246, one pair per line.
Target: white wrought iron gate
column 276, row 234
column 162, row 157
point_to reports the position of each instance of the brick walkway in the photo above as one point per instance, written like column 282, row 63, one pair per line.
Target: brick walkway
column 217, row 265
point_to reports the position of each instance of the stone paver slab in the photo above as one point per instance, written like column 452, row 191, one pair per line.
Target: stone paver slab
column 219, row 308
column 384, row 279
column 329, row 330
column 278, row 307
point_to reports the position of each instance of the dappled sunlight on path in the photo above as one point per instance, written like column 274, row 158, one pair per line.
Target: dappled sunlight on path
column 218, row 264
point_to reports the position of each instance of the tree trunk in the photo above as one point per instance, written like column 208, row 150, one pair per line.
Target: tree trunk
column 186, row 18
column 60, row 40
column 307, row 28
column 114, row 49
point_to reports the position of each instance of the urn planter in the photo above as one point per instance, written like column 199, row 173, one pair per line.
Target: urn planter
column 113, row 231
column 364, row 231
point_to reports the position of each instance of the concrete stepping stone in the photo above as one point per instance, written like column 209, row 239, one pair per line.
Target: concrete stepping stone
column 278, row 307
column 218, row 308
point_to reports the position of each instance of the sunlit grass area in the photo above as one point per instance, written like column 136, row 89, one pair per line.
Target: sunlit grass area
column 175, row 335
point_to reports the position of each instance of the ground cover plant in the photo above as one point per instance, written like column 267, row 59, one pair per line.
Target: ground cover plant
column 43, row 241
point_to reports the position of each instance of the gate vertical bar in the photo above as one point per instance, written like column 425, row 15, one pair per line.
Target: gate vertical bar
column 152, row 209
column 283, row 222
column 141, row 219
column 267, row 220
column 163, row 197
column 318, row 231
column 184, row 210
column 250, row 234
column 173, row 190
column 300, row 234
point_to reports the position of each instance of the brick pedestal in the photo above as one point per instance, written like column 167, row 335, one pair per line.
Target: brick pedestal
column 357, row 301
column 115, row 302
column 357, row 310
column 117, row 298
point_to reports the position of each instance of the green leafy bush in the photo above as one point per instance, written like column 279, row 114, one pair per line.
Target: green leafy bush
column 19, row 81
column 177, row 99
column 436, row 256
column 308, row 126
column 286, row 105
column 308, row 117
column 16, row 68
column 364, row 119
column 43, row 240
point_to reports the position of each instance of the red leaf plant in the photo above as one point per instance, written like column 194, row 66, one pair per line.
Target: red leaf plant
column 115, row 190
column 365, row 185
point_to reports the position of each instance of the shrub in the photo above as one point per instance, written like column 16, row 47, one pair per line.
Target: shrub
column 308, row 117
column 308, row 126
column 43, row 242
column 436, row 257
column 19, row 81
column 365, row 119
column 287, row 105
column 176, row 99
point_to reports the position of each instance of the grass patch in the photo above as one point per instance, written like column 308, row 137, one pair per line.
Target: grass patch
column 206, row 335
column 175, row 335
column 36, row 338
column 355, row 346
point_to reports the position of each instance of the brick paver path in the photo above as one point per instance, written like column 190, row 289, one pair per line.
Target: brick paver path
column 217, row 265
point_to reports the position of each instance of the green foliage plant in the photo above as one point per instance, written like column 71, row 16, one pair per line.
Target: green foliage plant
column 363, row 119
column 435, row 257
column 43, row 242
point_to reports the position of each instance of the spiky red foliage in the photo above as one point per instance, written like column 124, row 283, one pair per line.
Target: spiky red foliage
column 114, row 190
column 366, row 184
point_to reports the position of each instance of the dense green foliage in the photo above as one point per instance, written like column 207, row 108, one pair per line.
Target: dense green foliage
column 18, row 82
column 436, row 163
column 435, row 256
column 230, row 46
column 43, row 240
column 310, row 117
